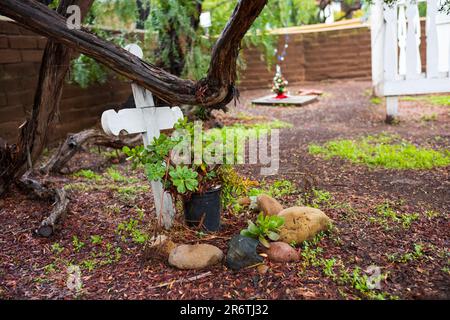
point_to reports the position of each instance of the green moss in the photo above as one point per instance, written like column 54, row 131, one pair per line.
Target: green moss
column 383, row 151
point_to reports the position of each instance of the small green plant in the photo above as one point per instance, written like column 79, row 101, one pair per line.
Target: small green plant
column 328, row 265
column 96, row 239
column 281, row 188
column 375, row 100
column 276, row 189
column 234, row 186
column 89, row 265
column 383, row 151
column 429, row 117
column 387, row 214
column 77, row 244
column 50, row 268
column 88, row 174
column 115, row 175
column 320, row 197
column 184, row 179
column 409, row 256
column 130, row 228
column 78, row 186
column 265, row 226
column 431, row 214
column 57, row 248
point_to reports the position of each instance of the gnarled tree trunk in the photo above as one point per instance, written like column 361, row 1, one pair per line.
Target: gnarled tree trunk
column 15, row 160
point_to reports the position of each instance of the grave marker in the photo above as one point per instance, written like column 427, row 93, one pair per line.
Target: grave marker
column 148, row 120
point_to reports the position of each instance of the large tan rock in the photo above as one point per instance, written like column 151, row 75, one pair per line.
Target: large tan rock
column 196, row 256
column 302, row 223
column 269, row 205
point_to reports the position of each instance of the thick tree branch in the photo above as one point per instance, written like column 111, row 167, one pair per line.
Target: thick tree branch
column 216, row 89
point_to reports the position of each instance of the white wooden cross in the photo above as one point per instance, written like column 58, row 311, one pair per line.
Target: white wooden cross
column 148, row 120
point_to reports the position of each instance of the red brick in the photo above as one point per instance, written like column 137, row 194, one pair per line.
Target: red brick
column 3, row 42
column 14, row 71
column 24, row 97
column 26, row 32
column 12, row 113
column 42, row 42
column 31, row 55
column 3, row 101
column 28, row 83
column 23, row 42
column 10, row 130
column 9, row 28
column 9, row 85
column 10, row 56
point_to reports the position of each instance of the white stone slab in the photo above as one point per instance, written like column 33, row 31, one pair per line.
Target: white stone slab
column 289, row 101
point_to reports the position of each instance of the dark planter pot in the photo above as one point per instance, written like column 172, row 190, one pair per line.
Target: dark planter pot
column 205, row 207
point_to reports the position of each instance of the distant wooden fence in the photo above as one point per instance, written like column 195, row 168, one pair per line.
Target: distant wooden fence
column 396, row 54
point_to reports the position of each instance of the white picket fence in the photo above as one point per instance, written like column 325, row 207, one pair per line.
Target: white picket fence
column 396, row 58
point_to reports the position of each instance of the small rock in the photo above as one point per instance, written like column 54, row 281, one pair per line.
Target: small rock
column 282, row 252
column 302, row 223
column 245, row 201
column 269, row 205
column 262, row 269
column 242, row 252
column 196, row 256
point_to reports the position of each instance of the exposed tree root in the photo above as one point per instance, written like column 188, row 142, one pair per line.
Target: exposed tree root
column 75, row 142
column 61, row 201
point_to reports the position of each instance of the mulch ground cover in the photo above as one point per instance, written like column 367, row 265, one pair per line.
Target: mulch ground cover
column 413, row 257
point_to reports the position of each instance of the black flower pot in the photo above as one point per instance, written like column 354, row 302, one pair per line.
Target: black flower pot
column 205, row 209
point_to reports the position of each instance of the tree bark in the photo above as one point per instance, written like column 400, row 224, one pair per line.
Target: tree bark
column 216, row 90
column 15, row 160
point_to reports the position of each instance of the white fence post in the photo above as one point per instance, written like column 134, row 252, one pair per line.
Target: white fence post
column 396, row 33
column 377, row 42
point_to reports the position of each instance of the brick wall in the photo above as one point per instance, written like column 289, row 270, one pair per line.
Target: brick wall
column 20, row 57
column 313, row 56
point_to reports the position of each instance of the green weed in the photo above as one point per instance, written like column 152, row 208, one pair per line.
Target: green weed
column 88, row 174
column 383, row 151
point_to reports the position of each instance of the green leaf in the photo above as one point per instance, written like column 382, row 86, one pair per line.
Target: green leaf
column 252, row 228
column 246, row 233
column 273, row 236
column 181, row 188
column 264, row 242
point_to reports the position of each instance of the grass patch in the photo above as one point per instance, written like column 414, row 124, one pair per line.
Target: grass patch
column 431, row 99
column 383, row 150
column 88, row 174
column 277, row 189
